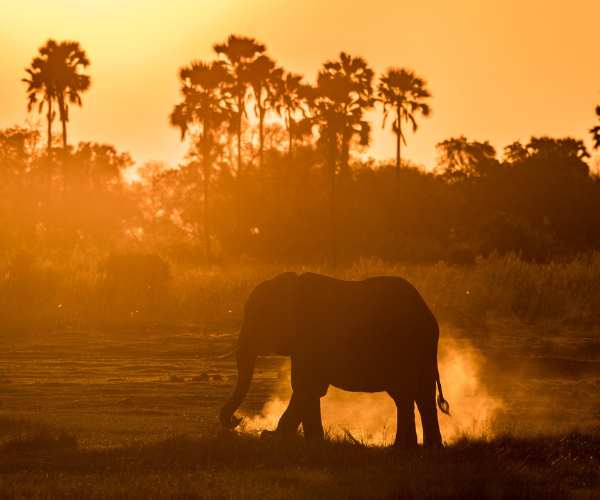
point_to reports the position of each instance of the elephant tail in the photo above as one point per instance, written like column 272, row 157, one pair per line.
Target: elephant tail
column 441, row 401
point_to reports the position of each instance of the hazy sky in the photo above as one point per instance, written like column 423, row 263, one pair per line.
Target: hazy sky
column 499, row 69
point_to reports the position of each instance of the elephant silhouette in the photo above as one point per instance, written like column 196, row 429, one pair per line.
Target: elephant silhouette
column 366, row 336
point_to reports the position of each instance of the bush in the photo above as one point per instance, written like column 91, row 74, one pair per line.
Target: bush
column 133, row 288
column 141, row 290
column 27, row 294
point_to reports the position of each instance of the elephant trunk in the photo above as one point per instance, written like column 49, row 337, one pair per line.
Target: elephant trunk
column 245, row 367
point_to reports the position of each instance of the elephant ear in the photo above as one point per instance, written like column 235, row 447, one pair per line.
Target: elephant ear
column 287, row 286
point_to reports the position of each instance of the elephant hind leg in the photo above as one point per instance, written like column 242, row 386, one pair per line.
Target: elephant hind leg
column 432, row 437
column 310, row 411
column 406, row 433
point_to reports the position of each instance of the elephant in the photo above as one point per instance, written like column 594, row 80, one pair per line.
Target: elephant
column 375, row 335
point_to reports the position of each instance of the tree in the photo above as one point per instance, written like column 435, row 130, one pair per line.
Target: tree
column 404, row 93
column 595, row 131
column 41, row 86
column 550, row 187
column 563, row 158
column 293, row 103
column 100, row 166
column 264, row 78
column 237, row 53
column 201, row 114
column 70, row 82
column 18, row 150
column 460, row 159
column 347, row 84
column 338, row 102
column 515, row 153
column 565, row 148
column 54, row 76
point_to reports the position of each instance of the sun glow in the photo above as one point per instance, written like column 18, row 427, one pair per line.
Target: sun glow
column 136, row 48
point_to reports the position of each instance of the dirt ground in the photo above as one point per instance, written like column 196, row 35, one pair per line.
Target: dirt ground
column 113, row 389
column 115, row 393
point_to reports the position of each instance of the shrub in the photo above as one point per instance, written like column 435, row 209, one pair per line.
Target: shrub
column 133, row 288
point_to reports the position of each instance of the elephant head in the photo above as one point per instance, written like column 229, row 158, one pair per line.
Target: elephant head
column 269, row 327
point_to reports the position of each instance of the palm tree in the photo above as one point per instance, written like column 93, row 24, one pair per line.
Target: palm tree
column 70, row 58
column 292, row 105
column 596, row 131
column 403, row 92
column 201, row 114
column 54, row 77
column 237, row 53
column 347, row 83
column 41, row 88
column 338, row 102
column 264, row 78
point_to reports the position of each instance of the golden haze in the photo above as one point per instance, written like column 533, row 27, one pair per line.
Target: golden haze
column 498, row 70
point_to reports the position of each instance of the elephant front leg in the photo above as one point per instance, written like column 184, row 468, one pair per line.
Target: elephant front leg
column 291, row 418
column 302, row 409
column 309, row 386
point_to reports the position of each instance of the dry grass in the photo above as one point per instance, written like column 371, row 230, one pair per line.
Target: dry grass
column 122, row 412
column 56, row 294
column 129, row 415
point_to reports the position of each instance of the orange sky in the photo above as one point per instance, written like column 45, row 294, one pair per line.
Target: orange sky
column 499, row 69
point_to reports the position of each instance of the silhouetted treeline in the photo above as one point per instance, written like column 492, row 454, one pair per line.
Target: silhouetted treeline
column 538, row 200
column 274, row 172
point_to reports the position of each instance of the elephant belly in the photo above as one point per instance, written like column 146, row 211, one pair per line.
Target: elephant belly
column 360, row 385
column 370, row 375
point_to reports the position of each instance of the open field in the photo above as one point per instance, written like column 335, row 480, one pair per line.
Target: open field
column 134, row 414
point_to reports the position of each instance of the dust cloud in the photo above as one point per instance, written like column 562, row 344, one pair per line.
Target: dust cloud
column 370, row 418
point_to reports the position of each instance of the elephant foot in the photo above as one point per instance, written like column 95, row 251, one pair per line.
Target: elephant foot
column 433, row 445
column 406, row 440
column 314, row 437
column 267, row 435
column 405, row 446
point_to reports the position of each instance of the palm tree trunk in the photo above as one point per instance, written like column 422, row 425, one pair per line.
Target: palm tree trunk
column 345, row 153
column 398, row 142
column 332, row 201
column 290, row 135
column 64, row 133
column 261, row 136
column 49, row 116
column 205, row 147
column 62, row 110
column 205, row 212
column 239, row 166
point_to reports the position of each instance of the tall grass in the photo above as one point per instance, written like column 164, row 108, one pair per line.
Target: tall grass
column 91, row 291
column 504, row 287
